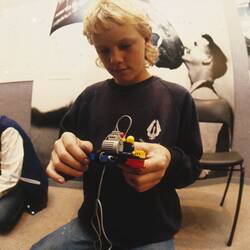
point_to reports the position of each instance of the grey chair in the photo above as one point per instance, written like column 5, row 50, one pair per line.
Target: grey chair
column 224, row 159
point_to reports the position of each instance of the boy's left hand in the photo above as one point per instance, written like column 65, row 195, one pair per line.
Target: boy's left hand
column 155, row 165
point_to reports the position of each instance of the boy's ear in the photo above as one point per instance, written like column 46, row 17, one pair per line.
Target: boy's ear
column 207, row 60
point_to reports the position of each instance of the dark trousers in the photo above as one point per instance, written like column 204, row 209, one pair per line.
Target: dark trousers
column 11, row 209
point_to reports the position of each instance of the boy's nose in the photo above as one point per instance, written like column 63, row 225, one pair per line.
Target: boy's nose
column 116, row 56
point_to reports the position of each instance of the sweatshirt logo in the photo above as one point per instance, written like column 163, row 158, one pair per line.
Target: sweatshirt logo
column 153, row 129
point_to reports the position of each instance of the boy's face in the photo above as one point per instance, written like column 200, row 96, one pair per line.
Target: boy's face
column 122, row 51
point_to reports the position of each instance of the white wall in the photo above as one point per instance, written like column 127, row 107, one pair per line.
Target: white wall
column 63, row 64
column 56, row 63
column 242, row 84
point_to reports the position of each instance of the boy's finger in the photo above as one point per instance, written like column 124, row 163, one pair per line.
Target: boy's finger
column 51, row 172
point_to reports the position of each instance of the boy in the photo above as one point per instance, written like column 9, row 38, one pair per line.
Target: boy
column 125, row 208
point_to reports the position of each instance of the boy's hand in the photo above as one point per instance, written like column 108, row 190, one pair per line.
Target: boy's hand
column 69, row 156
column 155, row 165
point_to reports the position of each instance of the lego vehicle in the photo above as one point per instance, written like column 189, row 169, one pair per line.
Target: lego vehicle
column 118, row 149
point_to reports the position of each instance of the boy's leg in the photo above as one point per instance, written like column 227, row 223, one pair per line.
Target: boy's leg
column 164, row 245
column 72, row 236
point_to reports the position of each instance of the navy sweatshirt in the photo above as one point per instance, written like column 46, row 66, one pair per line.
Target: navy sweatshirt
column 161, row 112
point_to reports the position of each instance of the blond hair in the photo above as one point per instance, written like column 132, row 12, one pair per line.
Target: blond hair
column 104, row 12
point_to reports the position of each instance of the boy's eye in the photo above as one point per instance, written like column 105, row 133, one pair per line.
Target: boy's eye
column 195, row 43
column 125, row 46
column 103, row 50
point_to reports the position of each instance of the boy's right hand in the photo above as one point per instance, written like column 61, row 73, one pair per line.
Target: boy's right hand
column 69, row 156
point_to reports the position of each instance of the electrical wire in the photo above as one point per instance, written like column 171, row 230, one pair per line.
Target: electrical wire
column 129, row 126
column 100, row 230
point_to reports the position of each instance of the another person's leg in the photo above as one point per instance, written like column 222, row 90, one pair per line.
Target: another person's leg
column 11, row 208
column 72, row 236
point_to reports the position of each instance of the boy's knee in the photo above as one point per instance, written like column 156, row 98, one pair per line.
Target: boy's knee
column 38, row 246
column 47, row 244
column 35, row 247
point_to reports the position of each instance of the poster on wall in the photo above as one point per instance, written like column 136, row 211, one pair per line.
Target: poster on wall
column 194, row 49
column 68, row 12
column 243, row 7
column 61, row 62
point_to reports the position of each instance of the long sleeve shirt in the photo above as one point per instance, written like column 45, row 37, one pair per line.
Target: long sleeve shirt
column 11, row 156
column 161, row 112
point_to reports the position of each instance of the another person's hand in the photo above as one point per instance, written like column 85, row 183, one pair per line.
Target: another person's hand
column 69, row 156
column 155, row 166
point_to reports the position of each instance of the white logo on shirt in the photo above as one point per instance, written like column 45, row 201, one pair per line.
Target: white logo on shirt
column 153, row 129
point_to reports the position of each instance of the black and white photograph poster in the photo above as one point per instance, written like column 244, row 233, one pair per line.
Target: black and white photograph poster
column 45, row 38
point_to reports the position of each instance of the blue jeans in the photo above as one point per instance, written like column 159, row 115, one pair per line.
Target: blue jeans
column 74, row 236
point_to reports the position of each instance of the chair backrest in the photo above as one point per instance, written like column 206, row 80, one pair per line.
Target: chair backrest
column 217, row 111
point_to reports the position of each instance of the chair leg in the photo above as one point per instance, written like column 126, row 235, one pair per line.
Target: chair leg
column 241, row 184
column 226, row 189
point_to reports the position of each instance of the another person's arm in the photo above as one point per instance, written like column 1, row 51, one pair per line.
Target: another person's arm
column 12, row 154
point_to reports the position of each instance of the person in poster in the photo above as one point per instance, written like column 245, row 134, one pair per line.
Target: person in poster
column 205, row 62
